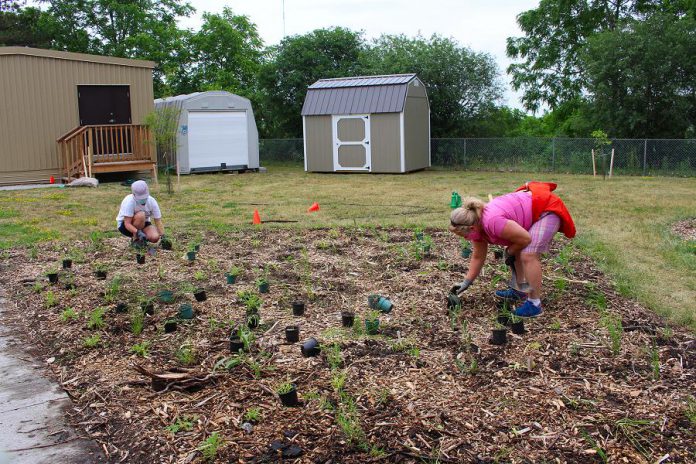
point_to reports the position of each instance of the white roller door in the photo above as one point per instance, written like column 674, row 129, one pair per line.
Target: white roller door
column 217, row 137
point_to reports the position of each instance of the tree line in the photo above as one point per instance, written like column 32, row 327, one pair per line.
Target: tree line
column 624, row 66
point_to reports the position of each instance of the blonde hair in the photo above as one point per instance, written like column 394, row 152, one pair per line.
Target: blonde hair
column 469, row 213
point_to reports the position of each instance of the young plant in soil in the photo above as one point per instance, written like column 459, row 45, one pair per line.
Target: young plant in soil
column 333, row 356
column 50, row 299
column 232, row 274
column 251, row 300
column 68, row 315
column 141, row 349
column 185, row 354
column 137, row 321
column 372, row 322
column 52, row 275
column 96, row 319
column 263, row 285
column 252, row 415
column 210, row 447
column 92, row 341
column 182, row 424
column 100, row 270
column 191, row 253
column 253, row 320
column 112, row 289
column 200, row 276
column 147, row 305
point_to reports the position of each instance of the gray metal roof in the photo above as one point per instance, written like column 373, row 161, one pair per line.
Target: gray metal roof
column 357, row 95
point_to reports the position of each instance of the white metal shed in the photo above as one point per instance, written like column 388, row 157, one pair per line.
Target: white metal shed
column 217, row 132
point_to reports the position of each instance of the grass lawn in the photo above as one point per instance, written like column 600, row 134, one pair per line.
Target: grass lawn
column 623, row 223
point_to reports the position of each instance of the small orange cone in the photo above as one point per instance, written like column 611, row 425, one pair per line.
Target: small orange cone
column 314, row 207
column 257, row 218
column 52, row 180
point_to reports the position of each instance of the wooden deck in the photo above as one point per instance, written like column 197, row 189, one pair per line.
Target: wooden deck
column 89, row 150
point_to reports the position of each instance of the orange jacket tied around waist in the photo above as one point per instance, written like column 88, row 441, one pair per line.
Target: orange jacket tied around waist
column 543, row 201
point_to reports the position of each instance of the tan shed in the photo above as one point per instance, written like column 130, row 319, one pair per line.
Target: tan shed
column 377, row 124
column 95, row 105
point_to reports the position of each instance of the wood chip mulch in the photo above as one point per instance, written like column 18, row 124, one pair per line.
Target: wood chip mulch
column 685, row 229
column 429, row 388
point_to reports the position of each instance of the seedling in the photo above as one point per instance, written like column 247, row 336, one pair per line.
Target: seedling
column 612, row 322
column 555, row 325
column 68, row 315
column 186, row 354
column 690, row 411
column 252, row 415
column 234, row 271
column 112, row 290
column 92, row 341
column 251, row 300
column 137, row 322
column 333, row 356
column 50, row 299
column 96, row 319
column 141, row 349
column 210, row 446
column 184, row 423
column 284, row 388
column 200, row 276
column 655, row 362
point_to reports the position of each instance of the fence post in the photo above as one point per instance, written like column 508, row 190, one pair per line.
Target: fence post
column 464, row 160
column 645, row 156
column 553, row 154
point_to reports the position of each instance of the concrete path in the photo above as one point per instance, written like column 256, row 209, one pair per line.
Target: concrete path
column 34, row 429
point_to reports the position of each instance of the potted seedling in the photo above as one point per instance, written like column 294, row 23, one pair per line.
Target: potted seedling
column 185, row 311
column 287, row 392
column 262, row 284
column 347, row 318
column 372, row 322
column 372, row 300
column 191, row 253
column 121, row 307
column 310, row 348
column 241, row 339
column 418, row 234
column 232, row 274
column 52, row 275
column 67, row 262
column 298, row 308
column 147, row 305
column 166, row 296
column 292, row 333
column 499, row 335
column 253, row 320
column 140, row 257
column 425, row 244
column 199, row 295
column 170, row 326
column 498, row 254
column 165, row 243
column 100, row 271
column 516, row 324
column 466, row 248
column 70, row 282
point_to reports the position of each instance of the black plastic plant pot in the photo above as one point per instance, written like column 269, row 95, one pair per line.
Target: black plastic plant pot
column 52, row 277
column 70, row 286
column 169, row 326
column 236, row 345
column 517, row 327
column 253, row 321
column 498, row 254
column 292, row 334
column 310, row 348
column 148, row 308
column 185, row 311
column 166, row 296
column 499, row 337
column 503, row 318
column 289, row 399
column 297, row 308
column 197, row 248
column 140, row 259
column 67, row 263
column 100, row 275
column 231, row 278
column 200, row 295
column 347, row 318
column 191, row 255
column 264, row 287
column 372, row 300
column 121, row 307
column 384, row 305
column 166, row 244
column 372, row 327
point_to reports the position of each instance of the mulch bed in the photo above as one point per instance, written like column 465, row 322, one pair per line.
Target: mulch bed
column 685, row 229
column 420, row 390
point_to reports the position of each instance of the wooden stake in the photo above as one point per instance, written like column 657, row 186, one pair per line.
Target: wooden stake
column 594, row 165
column 611, row 163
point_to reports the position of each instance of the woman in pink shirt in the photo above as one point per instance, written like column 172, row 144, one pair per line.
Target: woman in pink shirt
column 508, row 221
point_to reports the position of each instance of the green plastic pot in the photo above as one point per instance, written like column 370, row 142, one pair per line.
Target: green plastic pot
column 372, row 327
column 185, row 311
column 466, row 252
column 384, row 305
column 166, row 296
column 231, row 278
column 191, row 255
column 264, row 287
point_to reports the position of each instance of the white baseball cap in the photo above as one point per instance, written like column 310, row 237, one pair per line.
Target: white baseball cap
column 140, row 190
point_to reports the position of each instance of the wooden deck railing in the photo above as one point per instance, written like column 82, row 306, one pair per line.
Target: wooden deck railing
column 85, row 148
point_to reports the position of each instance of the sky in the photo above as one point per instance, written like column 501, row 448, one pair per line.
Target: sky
column 480, row 25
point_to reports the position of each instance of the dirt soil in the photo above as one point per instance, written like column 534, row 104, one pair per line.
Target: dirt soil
column 685, row 229
column 576, row 387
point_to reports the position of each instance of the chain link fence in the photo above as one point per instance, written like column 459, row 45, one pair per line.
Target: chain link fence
column 646, row 157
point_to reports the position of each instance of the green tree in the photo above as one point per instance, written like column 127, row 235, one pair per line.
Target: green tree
column 225, row 53
column 143, row 29
column 642, row 77
column 26, row 27
column 293, row 65
column 463, row 85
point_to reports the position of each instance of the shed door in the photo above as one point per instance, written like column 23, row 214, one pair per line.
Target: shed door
column 216, row 137
column 351, row 142
column 104, row 104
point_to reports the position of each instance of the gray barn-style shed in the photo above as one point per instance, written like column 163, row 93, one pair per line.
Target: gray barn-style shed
column 377, row 124
column 217, row 132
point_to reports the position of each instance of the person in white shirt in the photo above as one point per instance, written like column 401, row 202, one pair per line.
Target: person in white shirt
column 137, row 210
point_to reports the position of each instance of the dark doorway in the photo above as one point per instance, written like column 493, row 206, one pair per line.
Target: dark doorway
column 104, row 104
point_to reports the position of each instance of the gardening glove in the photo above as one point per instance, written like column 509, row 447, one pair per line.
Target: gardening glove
column 141, row 236
column 459, row 288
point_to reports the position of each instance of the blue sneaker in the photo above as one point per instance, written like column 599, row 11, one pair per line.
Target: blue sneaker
column 528, row 309
column 511, row 294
